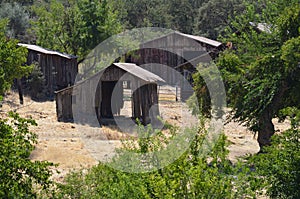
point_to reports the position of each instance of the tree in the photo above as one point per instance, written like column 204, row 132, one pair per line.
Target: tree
column 174, row 14
column 278, row 170
column 20, row 177
column 261, row 72
column 12, row 59
column 77, row 30
column 182, row 15
column 18, row 19
column 143, row 13
column 214, row 16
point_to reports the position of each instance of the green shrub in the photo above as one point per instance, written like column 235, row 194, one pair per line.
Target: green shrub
column 278, row 169
column 195, row 174
column 19, row 176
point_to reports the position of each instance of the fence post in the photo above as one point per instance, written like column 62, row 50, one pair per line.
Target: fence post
column 176, row 91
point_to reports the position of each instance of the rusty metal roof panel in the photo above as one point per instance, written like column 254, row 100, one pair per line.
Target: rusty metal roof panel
column 139, row 72
column 46, row 51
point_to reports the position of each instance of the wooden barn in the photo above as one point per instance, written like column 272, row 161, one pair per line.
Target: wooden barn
column 180, row 52
column 101, row 96
column 58, row 69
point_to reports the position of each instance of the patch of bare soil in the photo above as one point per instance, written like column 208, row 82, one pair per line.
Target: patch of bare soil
column 73, row 146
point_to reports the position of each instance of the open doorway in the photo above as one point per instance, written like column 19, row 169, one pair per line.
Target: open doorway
column 111, row 106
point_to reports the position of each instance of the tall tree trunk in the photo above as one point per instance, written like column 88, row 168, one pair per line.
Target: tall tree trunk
column 266, row 126
column 266, row 130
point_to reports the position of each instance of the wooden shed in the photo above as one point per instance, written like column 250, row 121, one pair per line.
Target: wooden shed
column 59, row 69
column 101, row 96
column 175, row 50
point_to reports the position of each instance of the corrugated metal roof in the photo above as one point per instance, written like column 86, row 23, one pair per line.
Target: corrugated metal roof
column 194, row 37
column 133, row 69
column 139, row 72
column 202, row 39
column 45, row 51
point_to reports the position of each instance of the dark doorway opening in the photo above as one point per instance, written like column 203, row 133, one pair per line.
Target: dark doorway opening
column 112, row 98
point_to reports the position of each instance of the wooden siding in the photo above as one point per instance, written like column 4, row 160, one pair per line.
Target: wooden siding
column 59, row 72
column 173, row 50
column 86, row 98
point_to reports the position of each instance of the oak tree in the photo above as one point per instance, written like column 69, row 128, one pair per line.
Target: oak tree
column 262, row 72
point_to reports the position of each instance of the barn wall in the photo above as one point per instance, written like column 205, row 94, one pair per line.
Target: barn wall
column 88, row 100
column 78, row 101
column 82, row 102
column 59, row 72
column 89, row 95
column 64, row 105
column 169, row 51
column 172, row 50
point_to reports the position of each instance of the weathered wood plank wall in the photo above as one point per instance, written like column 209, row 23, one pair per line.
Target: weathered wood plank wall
column 85, row 100
column 59, row 72
column 171, row 51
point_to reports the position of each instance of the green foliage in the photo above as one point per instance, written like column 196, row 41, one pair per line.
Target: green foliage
column 18, row 19
column 261, row 72
column 19, row 176
column 271, row 66
column 12, row 59
column 77, row 30
column 278, row 169
column 202, row 95
column 182, row 14
column 175, row 14
column 142, row 13
column 209, row 93
column 214, row 16
column 197, row 173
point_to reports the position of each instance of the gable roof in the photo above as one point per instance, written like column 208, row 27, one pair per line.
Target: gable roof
column 200, row 39
column 139, row 72
column 46, row 51
column 133, row 69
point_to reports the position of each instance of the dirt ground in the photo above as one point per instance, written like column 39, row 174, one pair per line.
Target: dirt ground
column 74, row 146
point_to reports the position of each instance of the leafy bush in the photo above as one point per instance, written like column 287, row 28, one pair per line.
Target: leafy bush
column 19, row 176
column 194, row 174
column 278, row 169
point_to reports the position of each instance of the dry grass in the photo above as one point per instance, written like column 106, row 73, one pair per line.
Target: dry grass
column 63, row 143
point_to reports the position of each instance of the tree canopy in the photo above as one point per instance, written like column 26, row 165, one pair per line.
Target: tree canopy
column 18, row 19
column 214, row 16
column 12, row 59
column 77, row 30
column 261, row 72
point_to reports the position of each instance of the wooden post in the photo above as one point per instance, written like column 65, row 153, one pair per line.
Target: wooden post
column 176, row 93
column 19, row 85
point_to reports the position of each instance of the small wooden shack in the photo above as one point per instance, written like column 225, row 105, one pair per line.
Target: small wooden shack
column 180, row 52
column 101, row 96
column 59, row 70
